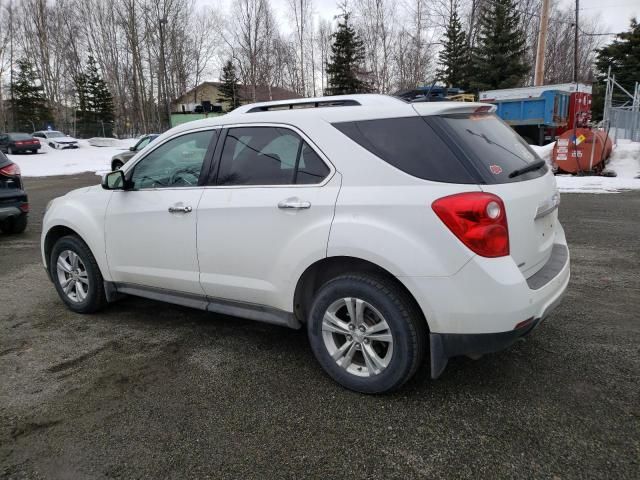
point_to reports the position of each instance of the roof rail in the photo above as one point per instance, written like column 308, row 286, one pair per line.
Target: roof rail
column 300, row 105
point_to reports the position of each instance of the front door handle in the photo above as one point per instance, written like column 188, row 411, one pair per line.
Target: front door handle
column 293, row 204
column 175, row 209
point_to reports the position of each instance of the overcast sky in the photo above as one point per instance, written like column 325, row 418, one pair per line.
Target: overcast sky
column 614, row 14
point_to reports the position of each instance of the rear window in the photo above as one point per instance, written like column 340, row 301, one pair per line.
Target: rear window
column 462, row 148
column 411, row 145
column 20, row 136
column 494, row 147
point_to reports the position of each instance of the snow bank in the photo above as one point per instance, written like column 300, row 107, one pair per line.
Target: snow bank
column 50, row 162
column 624, row 161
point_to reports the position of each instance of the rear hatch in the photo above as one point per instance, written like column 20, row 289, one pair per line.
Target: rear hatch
column 501, row 159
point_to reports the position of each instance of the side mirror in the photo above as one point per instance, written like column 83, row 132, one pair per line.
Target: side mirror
column 132, row 149
column 113, row 180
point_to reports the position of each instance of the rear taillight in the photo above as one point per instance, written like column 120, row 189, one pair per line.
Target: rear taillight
column 478, row 219
column 24, row 207
column 10, row 170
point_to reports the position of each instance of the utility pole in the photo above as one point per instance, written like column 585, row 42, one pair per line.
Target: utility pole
column 542, row 44
column 575, row 46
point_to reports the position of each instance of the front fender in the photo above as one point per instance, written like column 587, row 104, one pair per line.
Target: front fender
column 82, row 211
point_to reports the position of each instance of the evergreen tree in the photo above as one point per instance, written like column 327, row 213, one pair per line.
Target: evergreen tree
column 498, row 60
column 454, row 56
column 229, row 91
column 623, row 56
column 344, row 70
column 95, row 102
column 31, row 111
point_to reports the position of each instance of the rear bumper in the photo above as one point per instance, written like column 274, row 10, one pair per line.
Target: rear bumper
column 11, row 205
column 448, row 345
column 488, row 304
column 24, row 148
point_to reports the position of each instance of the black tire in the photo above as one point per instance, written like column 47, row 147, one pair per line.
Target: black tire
column 10, row 151
column 14, row 225
column 406, row 324
column 95, row 298
column 116, row 165
column 34, row 151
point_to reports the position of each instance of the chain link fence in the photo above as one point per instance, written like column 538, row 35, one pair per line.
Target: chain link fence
column 624, row 123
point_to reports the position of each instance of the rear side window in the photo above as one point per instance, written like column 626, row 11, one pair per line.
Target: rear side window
column 268, row 156
column 494, row 147
column 411, row 145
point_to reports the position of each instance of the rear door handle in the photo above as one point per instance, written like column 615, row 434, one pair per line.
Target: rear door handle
column 176, row 209
column 293, row 204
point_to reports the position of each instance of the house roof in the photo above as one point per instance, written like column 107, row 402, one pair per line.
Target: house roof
column 245, row 92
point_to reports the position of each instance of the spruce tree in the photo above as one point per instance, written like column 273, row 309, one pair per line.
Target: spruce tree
column 95, row 103
column 229, row 91
column 344, row 70
column 498, row 60
column 31, row 111
column 454, row 56
column 623, row 56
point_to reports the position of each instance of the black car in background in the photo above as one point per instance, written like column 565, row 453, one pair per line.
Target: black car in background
column 14, row 204
column 18, row 143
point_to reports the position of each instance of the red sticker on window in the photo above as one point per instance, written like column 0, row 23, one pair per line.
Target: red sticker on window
column 495, row 169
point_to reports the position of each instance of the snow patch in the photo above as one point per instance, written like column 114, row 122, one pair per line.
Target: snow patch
column 49, row 161
column 624, row 161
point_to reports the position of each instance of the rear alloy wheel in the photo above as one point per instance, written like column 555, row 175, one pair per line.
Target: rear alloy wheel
column 366, row 333
column 14, row 225
column 76, row 275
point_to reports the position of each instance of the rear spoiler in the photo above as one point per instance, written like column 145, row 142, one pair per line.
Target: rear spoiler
column 442, row 108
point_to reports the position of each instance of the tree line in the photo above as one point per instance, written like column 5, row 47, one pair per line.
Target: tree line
column 121, row 62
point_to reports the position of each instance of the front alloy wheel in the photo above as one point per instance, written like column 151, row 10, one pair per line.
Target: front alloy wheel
column 76, row 275
column 72, row 275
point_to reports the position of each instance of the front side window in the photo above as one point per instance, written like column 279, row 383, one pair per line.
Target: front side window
column 142, row 143
column 268, row 156
column 176, row 163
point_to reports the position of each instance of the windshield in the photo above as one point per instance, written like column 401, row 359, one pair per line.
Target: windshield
column 54, row 134
column 494, row 146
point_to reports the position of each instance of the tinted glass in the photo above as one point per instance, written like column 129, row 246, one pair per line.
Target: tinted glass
column 177, row 163
column 493, row 145
column 54, row 134
column 20, row 136
column 311, row 169
column 411, row 145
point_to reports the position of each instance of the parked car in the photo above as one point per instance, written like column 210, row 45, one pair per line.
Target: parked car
column 117, row 161
column 388, row 229
column 18, row 143
column 56, row 139
column 14, row 204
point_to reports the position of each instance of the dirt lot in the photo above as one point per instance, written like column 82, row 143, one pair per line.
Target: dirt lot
column 148, row 390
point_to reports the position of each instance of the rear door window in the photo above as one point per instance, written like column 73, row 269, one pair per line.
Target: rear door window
column 268, row 156
column 411, row 145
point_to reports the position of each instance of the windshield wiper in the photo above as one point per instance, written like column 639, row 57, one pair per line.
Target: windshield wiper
column 529, row 168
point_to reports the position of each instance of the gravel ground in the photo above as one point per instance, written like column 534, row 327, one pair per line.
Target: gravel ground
column 149, row 390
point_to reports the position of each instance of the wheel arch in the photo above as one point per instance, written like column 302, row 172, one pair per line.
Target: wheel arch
column 323, row 270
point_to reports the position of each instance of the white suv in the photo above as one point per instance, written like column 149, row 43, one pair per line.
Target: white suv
column 386, row 228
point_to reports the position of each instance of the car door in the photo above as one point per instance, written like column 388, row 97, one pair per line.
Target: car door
column 266, row 215
column 150, row 227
